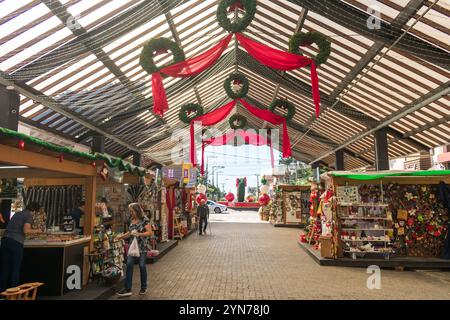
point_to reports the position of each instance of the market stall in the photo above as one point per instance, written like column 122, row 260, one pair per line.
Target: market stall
column 397, row 218
column 58, row 178
column 291, row 205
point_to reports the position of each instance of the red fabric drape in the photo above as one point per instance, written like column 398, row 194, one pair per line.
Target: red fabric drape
column 221, row 113
column 187, row 68
column 170, row 201
column 272, row 118
column 209, row 119
column 281, row 60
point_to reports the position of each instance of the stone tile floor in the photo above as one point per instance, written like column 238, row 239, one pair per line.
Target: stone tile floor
column 258, row 261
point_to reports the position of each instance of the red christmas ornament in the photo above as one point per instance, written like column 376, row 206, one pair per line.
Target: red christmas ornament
column 437, row 234
column 61, row 158
column 201, row 197
column 410, row 222
column 250, row 199
column 93, row 164
column 237, row 81
column 22, row 145
column 430, row 228
column 229, row 197
column 409, row 242
column 264, row 199
column 237, row 5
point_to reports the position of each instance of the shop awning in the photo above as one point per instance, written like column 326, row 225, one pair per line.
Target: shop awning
column 385, row 174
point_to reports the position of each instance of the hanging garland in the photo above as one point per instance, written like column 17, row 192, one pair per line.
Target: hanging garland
column 157, row 46
column 305, row 39
column 285, row 105
column 241, row 121
column 249, row 6
column 190, row 111
column 236, row 79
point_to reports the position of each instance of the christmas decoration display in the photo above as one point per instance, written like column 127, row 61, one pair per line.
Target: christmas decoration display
column 21, row 145
column 250, row 199
column 305, row 39
column 190, row 111
column 229, row 197
column 289, row 108
column 236, row 86
column 157, row 46
column 201, row 197
column 264, row 189
column 201, row 188
column 264, row 199
column 249, row 6
column 240, row 185
column 237, row 121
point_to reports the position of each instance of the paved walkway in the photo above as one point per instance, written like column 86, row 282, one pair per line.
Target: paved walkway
column 258, row 261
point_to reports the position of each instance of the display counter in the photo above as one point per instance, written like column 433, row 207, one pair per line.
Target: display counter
column 57, row 263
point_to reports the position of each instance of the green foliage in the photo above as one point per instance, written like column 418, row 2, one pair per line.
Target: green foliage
column 242, row 23
column 241, row 190
column 242, row 121
column 239, row 77
column 146, row 59
column 193, row 109
column 304, row 39
column 283, row 104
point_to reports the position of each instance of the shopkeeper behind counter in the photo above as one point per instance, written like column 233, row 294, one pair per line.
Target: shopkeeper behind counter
column 76, row 215
column 11, row 250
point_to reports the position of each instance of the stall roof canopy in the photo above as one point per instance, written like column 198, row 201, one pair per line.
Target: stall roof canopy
column 76, row 65
column 387, row 174
column 111, row 162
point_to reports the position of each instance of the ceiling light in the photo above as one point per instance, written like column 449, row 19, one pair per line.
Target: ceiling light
column 10, row 87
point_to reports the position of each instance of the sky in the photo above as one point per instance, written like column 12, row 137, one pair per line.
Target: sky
column 239, row 162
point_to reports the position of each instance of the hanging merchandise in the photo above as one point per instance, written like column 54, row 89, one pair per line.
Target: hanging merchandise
column 225, row 6
column 285, row 105
column 236, row 86
column 237, row 122
column 306, row 39
column 201, row 197
column 264, row 199
column 190, row 111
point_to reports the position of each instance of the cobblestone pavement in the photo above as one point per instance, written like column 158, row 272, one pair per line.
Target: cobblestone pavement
column 258, row 261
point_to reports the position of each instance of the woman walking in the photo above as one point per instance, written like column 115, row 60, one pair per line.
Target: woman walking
column 139, row 228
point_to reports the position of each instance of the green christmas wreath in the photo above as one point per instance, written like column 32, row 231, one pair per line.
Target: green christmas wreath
column 283, row 104
column 157, row 45
column 241, row 23
column 236, row 78
column 237, row 121
column 305, row 39
column 190, row 111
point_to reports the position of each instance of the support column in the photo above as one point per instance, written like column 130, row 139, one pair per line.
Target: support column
column 381, row 150
column 9, row 108
column 339, row 160
column 98, row 144
column 137, row 159
column 89, row 217
column 316, row 171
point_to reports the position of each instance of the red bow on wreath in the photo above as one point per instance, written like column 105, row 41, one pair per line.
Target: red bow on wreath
column 237, row 5
column 160, row 51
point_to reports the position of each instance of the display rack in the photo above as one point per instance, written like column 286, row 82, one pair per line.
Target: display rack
column 370, row 218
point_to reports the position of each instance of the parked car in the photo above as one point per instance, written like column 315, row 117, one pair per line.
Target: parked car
column 216, row 207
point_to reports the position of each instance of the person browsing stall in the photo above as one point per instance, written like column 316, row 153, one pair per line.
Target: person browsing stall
column 11, row 250
column 77, row 213
column 139, row 227
column 203, row 214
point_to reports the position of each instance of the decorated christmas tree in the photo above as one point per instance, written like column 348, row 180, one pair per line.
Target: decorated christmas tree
column 240, row 185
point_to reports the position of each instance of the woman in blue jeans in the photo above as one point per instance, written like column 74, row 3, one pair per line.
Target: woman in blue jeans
column 139, row 228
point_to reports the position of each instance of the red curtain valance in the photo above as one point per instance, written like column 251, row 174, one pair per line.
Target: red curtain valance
column 273, row 58
column 221, row 113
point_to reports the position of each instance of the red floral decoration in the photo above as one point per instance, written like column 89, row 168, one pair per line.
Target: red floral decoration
column 201, row 197
column 237, row 5
column 229, row 197
column 22, row 145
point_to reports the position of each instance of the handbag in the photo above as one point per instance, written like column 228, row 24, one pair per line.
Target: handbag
column 133, row 251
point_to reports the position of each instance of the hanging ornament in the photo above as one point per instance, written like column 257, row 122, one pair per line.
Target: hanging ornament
column 201, row 188
column 239, row 25
column 156, row 46
column 229, row 197
column 236, row 5
column 21, row 145
column 93, row 164
column 201, row 197
column 61, row 158
column 264, row 199
column 264, row 189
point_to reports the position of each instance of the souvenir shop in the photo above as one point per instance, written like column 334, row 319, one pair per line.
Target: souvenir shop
column 60, row 179
column 396, row 218
column 178, row 214
column 290, row 205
